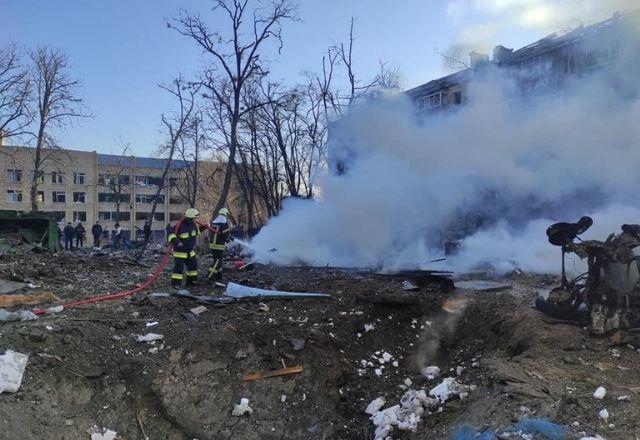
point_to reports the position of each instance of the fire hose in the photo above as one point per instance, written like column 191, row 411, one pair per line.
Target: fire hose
column 125, row 293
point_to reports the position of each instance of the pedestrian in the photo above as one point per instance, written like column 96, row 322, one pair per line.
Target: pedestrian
column 117, row 236
column 96, row 231
column 218, row 243
column 146, row 229
column 80, row 232
column 69, row 232
column 184, row 249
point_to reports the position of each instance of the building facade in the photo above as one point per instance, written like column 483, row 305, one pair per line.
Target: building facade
column 89, row 187
column 546, row 64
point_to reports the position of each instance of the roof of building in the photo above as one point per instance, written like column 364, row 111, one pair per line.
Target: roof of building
column 437, row 84
column 140, row 162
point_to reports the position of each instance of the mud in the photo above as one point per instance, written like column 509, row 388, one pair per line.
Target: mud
column 88, row 369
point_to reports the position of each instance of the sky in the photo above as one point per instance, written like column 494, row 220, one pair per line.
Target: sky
column 120, row 50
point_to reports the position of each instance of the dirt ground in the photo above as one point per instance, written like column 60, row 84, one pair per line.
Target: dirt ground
column 86, row 369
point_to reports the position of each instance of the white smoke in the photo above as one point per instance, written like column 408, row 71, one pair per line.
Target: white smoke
column 551, row 157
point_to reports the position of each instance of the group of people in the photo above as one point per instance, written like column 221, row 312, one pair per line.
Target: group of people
column 183, row 237
column 78, row 233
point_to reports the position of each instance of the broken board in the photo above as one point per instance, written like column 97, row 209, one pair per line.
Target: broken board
column 483, row 285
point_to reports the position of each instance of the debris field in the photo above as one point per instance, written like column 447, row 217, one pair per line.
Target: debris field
column 360, row 364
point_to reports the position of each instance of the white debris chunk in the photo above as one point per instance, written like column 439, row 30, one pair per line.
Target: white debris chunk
column 242, row 408
column 103, row 434
column 449, row 388
column 149, row 337
column 375, row 406
column 368, row 327
column 459, row 370
column 599, row 393
column 431, row 372
column 151, row 324
column 408, row 382
column 624, row 398
column 604, row 414
column 597, row 437
column 378, row 372
column 12, row 365
column 386, row 356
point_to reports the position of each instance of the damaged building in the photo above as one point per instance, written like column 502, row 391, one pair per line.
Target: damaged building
column 545, row 65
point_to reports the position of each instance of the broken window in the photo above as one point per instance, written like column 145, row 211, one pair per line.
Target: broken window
column 112, row 197
column 79, row 178
column 14, row 196
column 79, row 197
column 147, row 199
column 57, row 178
column 14, row 175
column 79, row 216
column 104, row 215
column 457, row 98
column 40, row 197
column 58, row 197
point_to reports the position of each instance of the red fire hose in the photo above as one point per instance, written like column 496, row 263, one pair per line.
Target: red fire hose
column 152, row 279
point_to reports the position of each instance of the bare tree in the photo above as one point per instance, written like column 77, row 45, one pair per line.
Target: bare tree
column 236, row 59
column 117, row 181
column 189, row 150
column 175, row 125
column 58, row 104
column 15, row 88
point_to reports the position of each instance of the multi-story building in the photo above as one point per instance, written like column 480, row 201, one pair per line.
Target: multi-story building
column 546, row 64
column 80, row 186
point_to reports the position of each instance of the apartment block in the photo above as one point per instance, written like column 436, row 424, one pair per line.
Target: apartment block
column 80, row 186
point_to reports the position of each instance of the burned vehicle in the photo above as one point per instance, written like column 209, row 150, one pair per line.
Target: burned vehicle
column 606, row 298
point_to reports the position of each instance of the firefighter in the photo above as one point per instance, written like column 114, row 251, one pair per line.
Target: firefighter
column 184, row 248
column 217, row 243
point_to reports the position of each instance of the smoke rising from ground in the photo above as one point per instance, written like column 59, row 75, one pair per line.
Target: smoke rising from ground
column 517, row 164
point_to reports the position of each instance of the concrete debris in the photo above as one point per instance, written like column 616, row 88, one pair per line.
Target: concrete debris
column 103, row 434
column 296, row 343
column 597, row 437
column 238, row 291
column 431, row 372
column 369, row 327
column 149, row 337
column 19, row 315
column 406, row 416
column 624, row 398
column 242, row 408
column 448, row 388
column 198, row 310
column 263, row 307
column 151, row 324
column 604, row 414
column 54, row 310
column 408, row 285
column 599, row 393
column 12, row 366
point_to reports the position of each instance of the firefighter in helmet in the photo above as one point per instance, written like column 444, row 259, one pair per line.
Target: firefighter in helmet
column 217, row 243
column 183, row 239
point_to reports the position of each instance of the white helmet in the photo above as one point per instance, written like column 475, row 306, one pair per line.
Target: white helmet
column 224, row 212
column 191, row 213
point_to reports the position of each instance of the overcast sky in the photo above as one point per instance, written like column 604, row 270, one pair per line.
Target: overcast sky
column 121, row 49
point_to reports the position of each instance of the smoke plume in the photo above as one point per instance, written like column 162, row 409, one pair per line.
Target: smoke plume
column 506, row 162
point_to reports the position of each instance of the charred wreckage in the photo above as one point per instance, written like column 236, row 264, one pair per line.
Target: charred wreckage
column 605, row 298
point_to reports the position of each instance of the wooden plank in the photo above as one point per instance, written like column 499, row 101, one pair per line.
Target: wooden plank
column 274, row 373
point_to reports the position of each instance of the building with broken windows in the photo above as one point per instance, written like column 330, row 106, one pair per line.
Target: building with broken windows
column 81, row 186
column 547, row 64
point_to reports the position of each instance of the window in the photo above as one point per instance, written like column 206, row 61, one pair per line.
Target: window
column 173, row 182
column 79, row 197
column 79, row 216
column 175, row 216
column 40, row 178
column 14, row 196
column 148, row 181
column 57, row 177
column 104, row 215
column 40, row 197
column 158, row 217
column 120, row 216
column 79, row 178
column 58, row 197
column 177, row 201
column 111, row 180
column 147, row 199
column 112, row 197
column 457, row 98
column 14, row 175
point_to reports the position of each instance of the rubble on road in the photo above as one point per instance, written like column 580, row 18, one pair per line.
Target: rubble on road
column 242, row 408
